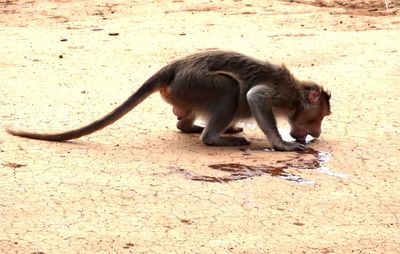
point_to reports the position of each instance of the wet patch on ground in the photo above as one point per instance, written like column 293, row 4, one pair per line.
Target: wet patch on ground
column 280, row 169
column 238, row 171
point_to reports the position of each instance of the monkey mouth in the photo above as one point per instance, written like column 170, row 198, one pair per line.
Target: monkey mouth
column 301, row 140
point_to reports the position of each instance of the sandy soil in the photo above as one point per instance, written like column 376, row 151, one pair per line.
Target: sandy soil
column 140, row 186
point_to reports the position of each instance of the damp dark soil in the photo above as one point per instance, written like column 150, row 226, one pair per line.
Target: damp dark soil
column 281, row 168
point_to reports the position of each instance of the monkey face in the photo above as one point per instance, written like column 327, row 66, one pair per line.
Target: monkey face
column 307, row 122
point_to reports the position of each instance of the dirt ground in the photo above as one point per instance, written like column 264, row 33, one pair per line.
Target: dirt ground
column 141, row 186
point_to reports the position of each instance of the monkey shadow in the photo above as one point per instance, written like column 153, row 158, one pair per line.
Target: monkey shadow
column 222, row 164
column 159, row 144
column 174, row 142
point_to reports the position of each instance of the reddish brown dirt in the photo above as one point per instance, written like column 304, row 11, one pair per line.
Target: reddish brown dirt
column 358, row 7
column 140, row 186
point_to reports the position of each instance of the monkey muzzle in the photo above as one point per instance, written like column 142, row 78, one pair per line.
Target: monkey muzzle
column 301, row 141
column 302, row 138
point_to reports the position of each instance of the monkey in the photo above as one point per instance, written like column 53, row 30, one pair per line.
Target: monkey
column 223, row 88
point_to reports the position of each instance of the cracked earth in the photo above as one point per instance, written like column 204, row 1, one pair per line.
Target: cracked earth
column 140, row 186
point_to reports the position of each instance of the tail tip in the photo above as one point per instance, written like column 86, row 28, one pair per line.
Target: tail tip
column 7, row 127
column 11, row 129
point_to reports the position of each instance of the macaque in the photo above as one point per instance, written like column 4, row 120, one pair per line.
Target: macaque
column 222, row 88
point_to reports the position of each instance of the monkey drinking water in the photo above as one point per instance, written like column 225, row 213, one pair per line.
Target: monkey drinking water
column 222, row 88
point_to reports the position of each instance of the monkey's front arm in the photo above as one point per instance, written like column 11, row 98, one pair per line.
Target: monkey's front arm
column 260, row 101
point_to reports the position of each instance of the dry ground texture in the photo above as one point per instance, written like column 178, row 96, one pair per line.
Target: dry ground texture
column 140, row 186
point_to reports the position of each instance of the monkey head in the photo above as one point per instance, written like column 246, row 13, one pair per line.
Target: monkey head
column 308, row 117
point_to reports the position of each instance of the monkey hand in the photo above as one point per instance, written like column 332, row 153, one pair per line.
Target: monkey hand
column 289, row 146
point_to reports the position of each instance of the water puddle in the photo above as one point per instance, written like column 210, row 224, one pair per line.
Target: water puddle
column 310, row 159
column 237, row 171
column 228, row 172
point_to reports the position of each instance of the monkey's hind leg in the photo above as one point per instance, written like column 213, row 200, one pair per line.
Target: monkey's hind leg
column 218, row 123
column 186, row 124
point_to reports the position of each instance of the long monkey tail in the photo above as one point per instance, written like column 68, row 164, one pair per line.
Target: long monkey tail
column 163, row 77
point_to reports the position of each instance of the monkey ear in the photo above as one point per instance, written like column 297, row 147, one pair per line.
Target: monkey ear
column 313, row 96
